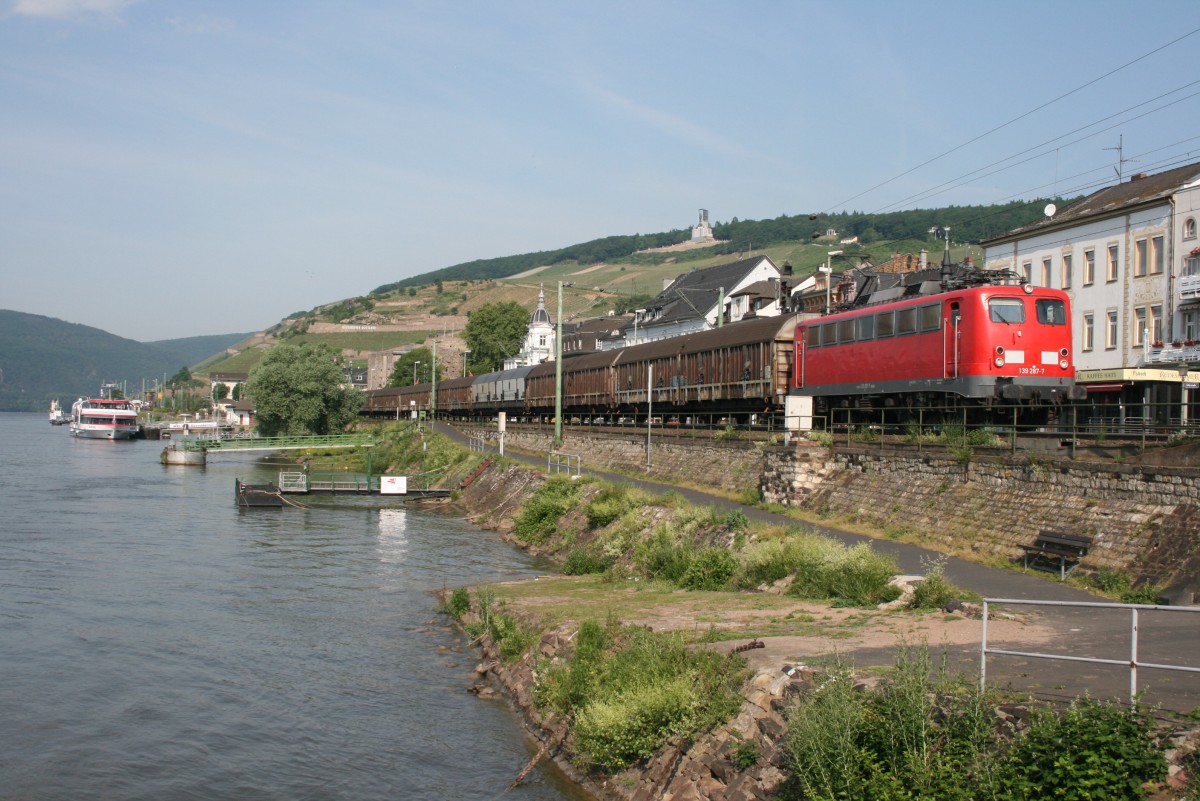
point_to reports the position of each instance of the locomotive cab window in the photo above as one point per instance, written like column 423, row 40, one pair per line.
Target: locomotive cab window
column 886, row 324
column 828, row 333
column 1051, row 312
column 1006, row 310
column 812, row 336
column 906, row 321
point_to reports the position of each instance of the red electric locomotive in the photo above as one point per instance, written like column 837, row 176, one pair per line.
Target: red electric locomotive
column 970, row 346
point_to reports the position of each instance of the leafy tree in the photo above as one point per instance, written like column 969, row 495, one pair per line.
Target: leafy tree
column 403, row 374
column 220, row 391
column 297, row 390
column 237, row 392
column 181, row 378
column 494, row 332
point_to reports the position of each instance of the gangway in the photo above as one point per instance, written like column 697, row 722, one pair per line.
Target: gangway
column 364, row 440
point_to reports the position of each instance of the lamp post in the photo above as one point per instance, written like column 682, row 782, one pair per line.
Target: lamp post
column 415, row 372
column 1183, row 398
column 558, row 368
column 466, row 354
column 828, row 270
column 637, row 313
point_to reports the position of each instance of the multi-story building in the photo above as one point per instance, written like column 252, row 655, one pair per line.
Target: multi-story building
column 1129, row 257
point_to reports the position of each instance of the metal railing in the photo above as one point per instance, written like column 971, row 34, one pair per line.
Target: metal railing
column 277, row 443
column 569, row 463
column 1133, row 662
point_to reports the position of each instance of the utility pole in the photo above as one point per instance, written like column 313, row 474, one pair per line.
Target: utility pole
column 558, row 369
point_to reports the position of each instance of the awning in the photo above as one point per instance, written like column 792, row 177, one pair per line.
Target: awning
column 1117, row 387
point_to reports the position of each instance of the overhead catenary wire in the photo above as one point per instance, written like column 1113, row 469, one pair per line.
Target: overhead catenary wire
column 1016, row 119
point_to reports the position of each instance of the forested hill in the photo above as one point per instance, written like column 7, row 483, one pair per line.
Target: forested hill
column 967, row 224
column 42, row 358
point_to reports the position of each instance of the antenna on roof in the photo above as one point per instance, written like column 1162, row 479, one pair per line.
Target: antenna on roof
column 1121, row 160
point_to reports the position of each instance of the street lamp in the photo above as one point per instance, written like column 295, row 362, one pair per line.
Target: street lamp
column 636, row 314
column 466, row 353
column 1183, row 397
column 415, row 372
column 828, row 270
column 558, row 368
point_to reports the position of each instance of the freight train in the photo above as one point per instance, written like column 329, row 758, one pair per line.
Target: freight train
column 975, row 347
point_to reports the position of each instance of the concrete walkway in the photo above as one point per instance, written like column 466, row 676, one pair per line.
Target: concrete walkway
column 1163, row 637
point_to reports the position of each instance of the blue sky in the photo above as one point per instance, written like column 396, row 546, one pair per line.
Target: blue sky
column 173, row 169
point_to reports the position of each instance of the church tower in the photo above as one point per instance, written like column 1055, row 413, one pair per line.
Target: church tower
column 539, row 339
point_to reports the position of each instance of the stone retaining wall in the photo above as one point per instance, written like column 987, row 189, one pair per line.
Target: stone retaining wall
column 1144, row 520
column 730, row 466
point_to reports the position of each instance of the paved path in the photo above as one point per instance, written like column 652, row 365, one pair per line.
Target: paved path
column 1164, row 637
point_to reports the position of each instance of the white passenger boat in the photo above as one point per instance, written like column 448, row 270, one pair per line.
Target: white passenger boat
column 104, row 418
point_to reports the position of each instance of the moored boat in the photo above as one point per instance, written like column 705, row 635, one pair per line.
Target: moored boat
column 257, row 495
column 57, row 416
column 104, row 418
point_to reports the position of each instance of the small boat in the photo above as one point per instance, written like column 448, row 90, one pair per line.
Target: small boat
column 104, row 418
column 258, row 495
column 57, row 416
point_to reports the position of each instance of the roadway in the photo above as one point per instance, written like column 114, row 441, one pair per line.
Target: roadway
column 1163, row 637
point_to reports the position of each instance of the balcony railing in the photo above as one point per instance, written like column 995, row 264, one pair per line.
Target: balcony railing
column 1187, row 288
column 1185, row 351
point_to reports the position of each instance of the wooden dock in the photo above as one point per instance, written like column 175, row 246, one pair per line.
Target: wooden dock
column 421, row 485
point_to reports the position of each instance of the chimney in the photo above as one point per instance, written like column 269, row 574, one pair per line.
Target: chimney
column 924, row 258
column 1137, row 177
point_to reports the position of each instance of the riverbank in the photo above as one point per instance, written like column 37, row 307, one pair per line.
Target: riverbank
column 784, row 641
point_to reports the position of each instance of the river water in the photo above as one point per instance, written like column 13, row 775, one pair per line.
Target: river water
column 157, row 642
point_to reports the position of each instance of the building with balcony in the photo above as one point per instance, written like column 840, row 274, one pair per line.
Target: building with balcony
column 1129, row 258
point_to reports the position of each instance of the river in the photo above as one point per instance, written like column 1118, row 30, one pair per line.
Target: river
column 157, row 642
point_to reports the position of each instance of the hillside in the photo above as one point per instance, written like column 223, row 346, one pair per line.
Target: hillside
column 43, row 358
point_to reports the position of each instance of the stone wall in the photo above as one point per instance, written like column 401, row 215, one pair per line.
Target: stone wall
column 733, row 466
column 1143, row 519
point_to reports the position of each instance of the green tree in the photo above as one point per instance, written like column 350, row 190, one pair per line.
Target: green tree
column 407, row 368
column 220, row 391
column 181, row 379
column 297, row 390
column 494, row 332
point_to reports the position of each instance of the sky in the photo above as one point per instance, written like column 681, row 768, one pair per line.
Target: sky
column 172, row 169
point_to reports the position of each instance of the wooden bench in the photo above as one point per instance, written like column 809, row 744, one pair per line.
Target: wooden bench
column 1056, row 550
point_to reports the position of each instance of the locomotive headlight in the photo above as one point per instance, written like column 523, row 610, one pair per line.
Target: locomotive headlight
column 999, row 360
column 1063, row 352
column 1062, row 363
column 1028, row 289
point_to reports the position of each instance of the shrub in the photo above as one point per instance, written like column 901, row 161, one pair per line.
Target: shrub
column 661, row 556
column 936, row 590
column 1093, row 750
column 458, row 603
column 710, row 569
column 631, row 689
column 583, row 561
column 608, row 505
column 736, row 520
column 540, row 513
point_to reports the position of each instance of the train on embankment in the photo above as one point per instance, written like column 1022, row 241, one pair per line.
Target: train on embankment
column 977, row 348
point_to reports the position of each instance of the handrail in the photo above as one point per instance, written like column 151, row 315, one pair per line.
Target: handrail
column 365, row 440
column 1132, row 661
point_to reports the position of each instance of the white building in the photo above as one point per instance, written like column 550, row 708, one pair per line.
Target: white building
column 1129, row 257
column 539, row 339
